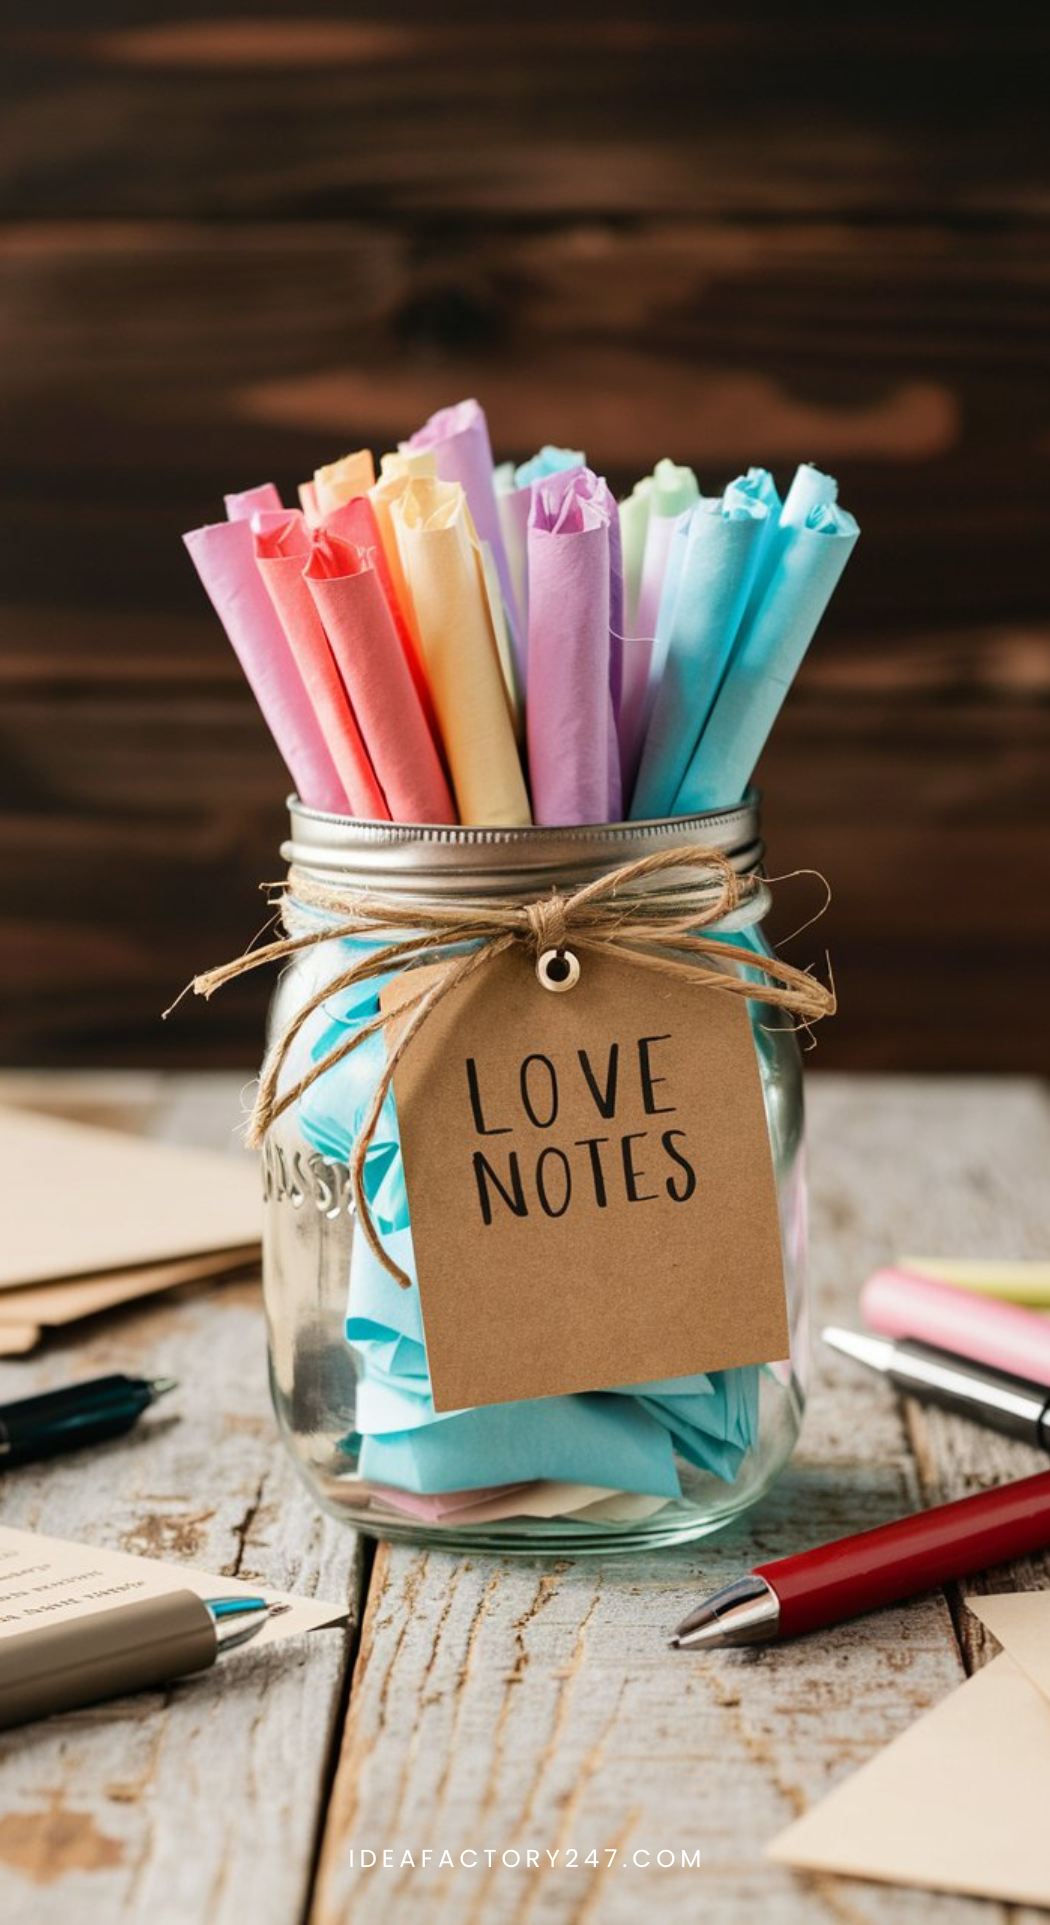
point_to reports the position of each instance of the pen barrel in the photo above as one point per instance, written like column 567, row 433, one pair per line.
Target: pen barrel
column 896, row 1561
column 1006, row 1403
column 60, row 1667
column 60, row 1420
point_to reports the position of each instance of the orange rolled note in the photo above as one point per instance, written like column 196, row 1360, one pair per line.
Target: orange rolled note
column 280, row 553
column 348, row 595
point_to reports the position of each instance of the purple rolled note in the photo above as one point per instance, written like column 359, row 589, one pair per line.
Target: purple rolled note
column 573, row 758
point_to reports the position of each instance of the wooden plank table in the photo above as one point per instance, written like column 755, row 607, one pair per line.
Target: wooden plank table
column 489, row 1706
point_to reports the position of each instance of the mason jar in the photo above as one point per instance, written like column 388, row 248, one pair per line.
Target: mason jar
column 349, row 1379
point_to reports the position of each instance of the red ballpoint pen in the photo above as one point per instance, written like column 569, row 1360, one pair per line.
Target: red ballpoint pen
column 857, row 1574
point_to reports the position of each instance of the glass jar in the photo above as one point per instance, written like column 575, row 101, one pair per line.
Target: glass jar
column 349, row 1380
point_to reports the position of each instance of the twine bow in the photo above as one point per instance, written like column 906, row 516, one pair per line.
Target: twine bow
column 659, row 933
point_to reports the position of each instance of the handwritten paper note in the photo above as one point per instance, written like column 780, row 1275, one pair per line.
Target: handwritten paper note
column 52, row 1580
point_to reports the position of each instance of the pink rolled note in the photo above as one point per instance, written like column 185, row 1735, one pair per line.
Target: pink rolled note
column 459, row 439
column 280, row 554
column 988, row 1331
column 571, row 736
column 252, row 501
column 356, row 521
column 224, row 557
column 348, row 595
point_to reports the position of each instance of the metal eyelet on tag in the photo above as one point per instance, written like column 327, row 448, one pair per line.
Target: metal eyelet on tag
column 558, row 970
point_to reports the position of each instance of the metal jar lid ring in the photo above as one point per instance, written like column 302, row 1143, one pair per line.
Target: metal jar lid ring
column 558, row 970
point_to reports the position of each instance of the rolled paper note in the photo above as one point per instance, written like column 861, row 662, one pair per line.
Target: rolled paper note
column 513, row 501
column 548, row 461
column 766, row 659
column 309, row 504
column 442, row 566
column 352, row 475
column 1019, row 1280
column 504, row 646
column 252, row 501
column 280, row 555
column 634, row 525
column 388, row 489
column 809, row 489
column 674, row 490
column 407, row 463
column 568, row 651
column 1001, row 1335
column 512, row 506
column 356, row 521
column 458, row 438
column 348, row 594
column 722, row 551
column 637, row 648
column 224, row 557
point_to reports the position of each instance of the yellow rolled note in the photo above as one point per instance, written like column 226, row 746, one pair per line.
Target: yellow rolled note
column 442, row 564
column 342, row 480
column 407, row 462
column 1016, row 1281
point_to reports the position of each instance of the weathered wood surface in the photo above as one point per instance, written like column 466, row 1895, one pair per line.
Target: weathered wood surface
column 200, row 1803
column 238, row 240
column 497, row 1705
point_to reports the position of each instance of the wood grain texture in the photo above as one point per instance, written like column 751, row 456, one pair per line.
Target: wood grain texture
column 199, row 1803
column 495, row 1704
column 233, row 242
column 512, row 1706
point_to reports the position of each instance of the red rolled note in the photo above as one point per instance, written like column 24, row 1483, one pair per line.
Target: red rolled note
column 280, row 553
column 355, row 521
column 347, row 591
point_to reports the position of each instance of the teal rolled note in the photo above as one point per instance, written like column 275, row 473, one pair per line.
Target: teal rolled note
column 720, row 551
column 772, row 643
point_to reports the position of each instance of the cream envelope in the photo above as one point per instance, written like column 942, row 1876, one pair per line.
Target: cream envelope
column 959, row 1802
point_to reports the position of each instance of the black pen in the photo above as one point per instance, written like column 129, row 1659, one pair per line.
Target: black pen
column 85, row 1413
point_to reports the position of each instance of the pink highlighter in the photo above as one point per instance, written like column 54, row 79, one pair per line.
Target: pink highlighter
column 984, row 1329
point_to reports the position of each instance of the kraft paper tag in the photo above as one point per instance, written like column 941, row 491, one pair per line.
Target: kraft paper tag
column 590, row 1182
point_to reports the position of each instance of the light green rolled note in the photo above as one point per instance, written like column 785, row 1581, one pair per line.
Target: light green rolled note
column 809, row 561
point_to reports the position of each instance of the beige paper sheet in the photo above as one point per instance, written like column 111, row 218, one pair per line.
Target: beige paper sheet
column 70, row 1299
column 78, row 1201
column 54, row 1580
column 959, row 1802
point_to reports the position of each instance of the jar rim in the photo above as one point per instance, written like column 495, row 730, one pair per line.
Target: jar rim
column 417, row 859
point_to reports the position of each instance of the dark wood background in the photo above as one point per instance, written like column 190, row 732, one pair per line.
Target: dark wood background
column 236, row 242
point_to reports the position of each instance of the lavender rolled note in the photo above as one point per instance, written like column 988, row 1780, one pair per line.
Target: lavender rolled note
column 224, row 557
column 722, row 548
column 569, row 710
column 772, row 643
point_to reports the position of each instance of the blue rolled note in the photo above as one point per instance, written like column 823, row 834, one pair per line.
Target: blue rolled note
column 715, row 562
column 809, row 560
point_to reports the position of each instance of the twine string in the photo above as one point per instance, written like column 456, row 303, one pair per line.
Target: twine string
column 602, row 917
